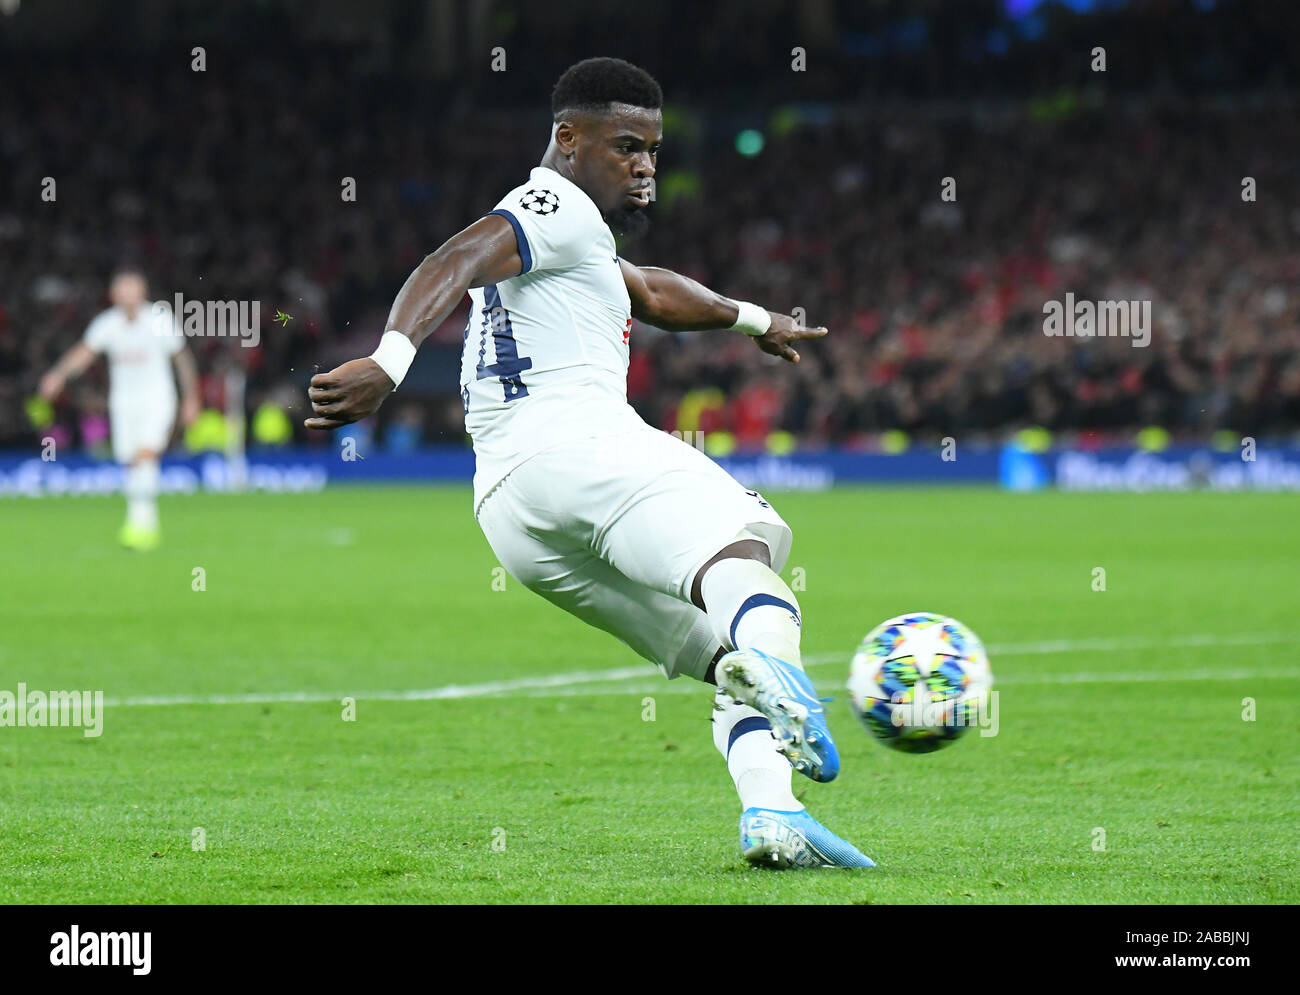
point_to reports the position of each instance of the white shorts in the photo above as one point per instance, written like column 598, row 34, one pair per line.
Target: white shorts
column 141, row 425
column 614, row 529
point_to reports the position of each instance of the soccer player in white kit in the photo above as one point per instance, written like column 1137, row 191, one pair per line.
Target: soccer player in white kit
column 624, row 526
column 142, row 342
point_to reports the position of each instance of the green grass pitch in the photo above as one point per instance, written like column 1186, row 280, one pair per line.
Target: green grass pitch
column 1120, row 712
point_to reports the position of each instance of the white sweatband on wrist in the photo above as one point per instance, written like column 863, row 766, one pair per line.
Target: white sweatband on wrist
column 752, row 320
column 394, row 355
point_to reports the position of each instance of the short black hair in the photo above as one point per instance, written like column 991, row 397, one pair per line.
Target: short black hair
column 594, row 84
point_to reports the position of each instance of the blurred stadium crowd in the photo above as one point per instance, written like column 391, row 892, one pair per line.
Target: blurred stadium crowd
column 233, row 192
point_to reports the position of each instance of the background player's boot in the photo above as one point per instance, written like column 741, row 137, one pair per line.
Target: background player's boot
column 138, row 537
column 770, row 838
column 786, row 696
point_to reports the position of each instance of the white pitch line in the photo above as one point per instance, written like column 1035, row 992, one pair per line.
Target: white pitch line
column 639, row 680
column 484, row 690
column 1101, row 645
column 1118, row 677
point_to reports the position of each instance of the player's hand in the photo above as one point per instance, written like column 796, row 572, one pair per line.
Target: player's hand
column 784, row 330
column 347, row 393
column 190, row 409
column 51, row 386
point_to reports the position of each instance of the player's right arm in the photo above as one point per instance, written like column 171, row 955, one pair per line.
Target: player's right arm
column 73, row 363
column 485, row 252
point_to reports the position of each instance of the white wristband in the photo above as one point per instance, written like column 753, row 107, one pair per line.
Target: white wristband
column 752, row 320
column 394, row 355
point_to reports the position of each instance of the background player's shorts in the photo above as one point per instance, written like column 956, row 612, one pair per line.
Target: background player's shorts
column 614, row 529
column 140, row 424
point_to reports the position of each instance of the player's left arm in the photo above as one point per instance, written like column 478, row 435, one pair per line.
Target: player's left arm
column 187, row 373
column 677, row 303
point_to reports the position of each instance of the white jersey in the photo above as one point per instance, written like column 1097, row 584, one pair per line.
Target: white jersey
column 545, row 354
column 139, row 354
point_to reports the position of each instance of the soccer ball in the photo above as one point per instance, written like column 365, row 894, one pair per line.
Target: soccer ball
column 919, row 681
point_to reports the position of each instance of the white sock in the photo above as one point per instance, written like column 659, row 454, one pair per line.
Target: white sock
column 142, row 494
column 761, row 774
column 750, row 607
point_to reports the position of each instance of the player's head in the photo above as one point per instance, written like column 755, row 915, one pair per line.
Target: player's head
column 608, row 125
column 128, row 288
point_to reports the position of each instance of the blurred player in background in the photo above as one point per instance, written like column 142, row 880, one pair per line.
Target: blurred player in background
column 624, row 526
column 142, row 342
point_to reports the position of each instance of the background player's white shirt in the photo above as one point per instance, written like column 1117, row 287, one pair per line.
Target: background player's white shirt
column 546, row 352
column 139, row 354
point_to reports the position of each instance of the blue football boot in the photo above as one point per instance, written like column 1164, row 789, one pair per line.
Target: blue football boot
column 770, row 838
column 785, row 695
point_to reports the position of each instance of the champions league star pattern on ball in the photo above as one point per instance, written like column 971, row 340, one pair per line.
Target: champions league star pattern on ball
column 918, row 681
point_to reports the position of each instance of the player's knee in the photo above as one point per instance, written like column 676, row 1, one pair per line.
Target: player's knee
column 742, row 549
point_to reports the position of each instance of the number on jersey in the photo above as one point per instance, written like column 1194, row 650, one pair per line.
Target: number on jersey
column 509, row 364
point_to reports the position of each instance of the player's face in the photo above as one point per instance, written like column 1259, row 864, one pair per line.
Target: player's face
column 614, row 162
column 128, row 291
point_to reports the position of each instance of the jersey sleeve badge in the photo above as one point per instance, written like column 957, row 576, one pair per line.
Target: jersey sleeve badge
column 541, row 202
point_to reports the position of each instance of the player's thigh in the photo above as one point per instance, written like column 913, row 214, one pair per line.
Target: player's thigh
column 681, row 510
column 137, row 427
column 673, row 634
column 122, row 436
